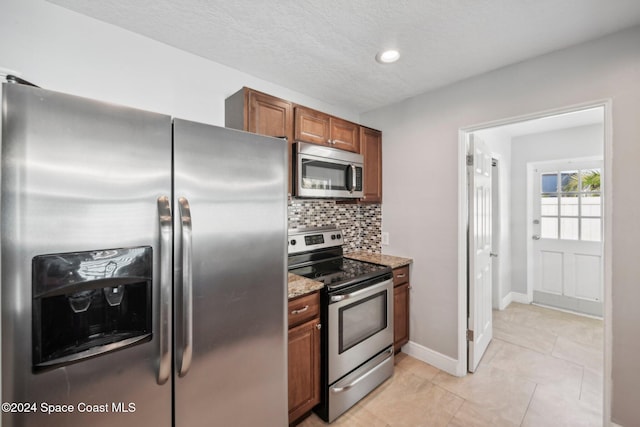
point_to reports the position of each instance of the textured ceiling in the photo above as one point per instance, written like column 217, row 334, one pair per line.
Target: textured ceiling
column 326, row 48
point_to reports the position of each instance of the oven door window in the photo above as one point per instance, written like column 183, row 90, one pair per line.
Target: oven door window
column 361, row 320
column 325, row 175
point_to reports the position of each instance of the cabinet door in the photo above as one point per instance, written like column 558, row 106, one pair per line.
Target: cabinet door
column 400, row 316
column 304, row 308
column 344, row 135
column 312, row 126
column 400, row 275
column 371, row 149
column 269, row 115
column 304, row 368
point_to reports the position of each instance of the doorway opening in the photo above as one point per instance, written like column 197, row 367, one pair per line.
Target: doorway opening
column 572, row 277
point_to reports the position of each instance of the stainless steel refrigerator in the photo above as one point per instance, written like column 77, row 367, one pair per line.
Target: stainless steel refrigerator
column 143, row 268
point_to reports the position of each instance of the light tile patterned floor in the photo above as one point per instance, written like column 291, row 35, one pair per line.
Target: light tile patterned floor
column 543, row 368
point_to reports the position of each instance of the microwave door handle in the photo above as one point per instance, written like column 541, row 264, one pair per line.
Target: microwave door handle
column 354, row 182
column 348, row 179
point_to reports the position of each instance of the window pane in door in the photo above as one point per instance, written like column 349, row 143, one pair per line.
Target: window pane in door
column 549, row 228
column 592, row 229
column 569, row 181
column 549, row 182
column 549, row 205
column 569, row 205
column 590, row 180
column 591, row 205
column 569, row 228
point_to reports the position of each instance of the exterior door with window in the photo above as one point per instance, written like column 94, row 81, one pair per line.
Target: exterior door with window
column 567, row 236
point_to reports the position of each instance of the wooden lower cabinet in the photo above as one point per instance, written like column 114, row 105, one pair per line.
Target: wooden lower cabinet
column 304, row 359
column 401, row 288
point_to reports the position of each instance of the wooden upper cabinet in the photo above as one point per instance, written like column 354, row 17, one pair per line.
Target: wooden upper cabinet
column 371, row 149
column 268, row 115
column 311, row 126
column 345, row 135
column 257, row 112
column 320, row 128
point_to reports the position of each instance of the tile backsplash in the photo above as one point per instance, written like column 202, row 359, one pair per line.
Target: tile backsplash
column 360, row 224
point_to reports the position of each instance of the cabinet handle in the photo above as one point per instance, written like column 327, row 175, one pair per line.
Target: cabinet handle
column 328, row 141
column 409, row 287
column 401, row 276
column 319, row 326
column 301, row 310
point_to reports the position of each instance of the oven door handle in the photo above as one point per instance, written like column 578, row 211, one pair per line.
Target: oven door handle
column 384, row 356
column 372, row 289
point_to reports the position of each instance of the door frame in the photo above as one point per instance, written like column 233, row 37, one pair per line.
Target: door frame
column 496, row 222
column 463, row 135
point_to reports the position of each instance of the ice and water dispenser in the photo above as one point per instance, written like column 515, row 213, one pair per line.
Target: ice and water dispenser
column 89, row 303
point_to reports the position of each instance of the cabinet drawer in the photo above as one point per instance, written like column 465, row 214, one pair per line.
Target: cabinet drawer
column 304, row 308
column 400, row 275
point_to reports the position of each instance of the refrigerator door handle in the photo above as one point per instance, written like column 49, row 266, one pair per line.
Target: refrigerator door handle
column 164, row 216
column 187, row 288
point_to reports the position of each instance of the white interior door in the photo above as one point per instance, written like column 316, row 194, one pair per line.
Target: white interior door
column 480, row 239
column 566, row 247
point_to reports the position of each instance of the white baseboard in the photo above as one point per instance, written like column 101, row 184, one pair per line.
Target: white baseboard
column 433, row 358
column 514, row 297
column 612, row 424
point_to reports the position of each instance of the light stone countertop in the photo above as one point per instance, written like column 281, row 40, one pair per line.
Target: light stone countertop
column 388, row 260
column 299, row 285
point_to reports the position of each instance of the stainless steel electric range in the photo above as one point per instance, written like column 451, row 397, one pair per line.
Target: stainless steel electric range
column 356, row 313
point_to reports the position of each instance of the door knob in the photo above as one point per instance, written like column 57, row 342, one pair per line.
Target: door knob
column 535, row 237
column 493, row 255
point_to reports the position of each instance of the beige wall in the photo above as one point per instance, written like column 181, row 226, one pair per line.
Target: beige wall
column 420, row 209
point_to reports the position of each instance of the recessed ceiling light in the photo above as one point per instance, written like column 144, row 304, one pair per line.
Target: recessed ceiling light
column 388, row 56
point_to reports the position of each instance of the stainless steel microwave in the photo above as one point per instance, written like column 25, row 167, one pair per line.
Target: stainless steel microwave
column 327, row 172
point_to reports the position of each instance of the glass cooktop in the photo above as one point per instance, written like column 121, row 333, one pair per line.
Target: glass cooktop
column 340, row 272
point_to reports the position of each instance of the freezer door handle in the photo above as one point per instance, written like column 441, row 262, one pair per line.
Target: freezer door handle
column 165, row 220
column 187, row 288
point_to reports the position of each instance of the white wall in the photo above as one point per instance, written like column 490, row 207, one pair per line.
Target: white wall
column 62, row 50
column 420, row 180
column 583, row 141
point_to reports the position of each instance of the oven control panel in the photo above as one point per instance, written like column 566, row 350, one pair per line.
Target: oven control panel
column 312, row 239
